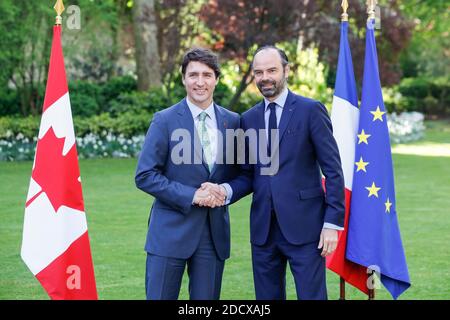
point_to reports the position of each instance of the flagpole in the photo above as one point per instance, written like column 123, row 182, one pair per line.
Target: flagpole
column 371, row 9
column 371, row 16
column 59, row 8
column 344, row 17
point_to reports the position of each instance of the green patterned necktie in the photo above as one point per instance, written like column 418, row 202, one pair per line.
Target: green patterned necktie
column 204, row 139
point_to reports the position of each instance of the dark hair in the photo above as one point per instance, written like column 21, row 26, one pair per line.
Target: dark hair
column 204, row 56
column 283, row 56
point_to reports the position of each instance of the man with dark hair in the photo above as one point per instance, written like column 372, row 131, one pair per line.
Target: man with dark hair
column 188, row 226
column 292, row 219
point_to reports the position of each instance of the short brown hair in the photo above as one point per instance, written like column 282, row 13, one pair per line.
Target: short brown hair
column 204, row 56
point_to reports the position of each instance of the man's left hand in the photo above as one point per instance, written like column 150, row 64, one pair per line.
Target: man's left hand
column 328, row 240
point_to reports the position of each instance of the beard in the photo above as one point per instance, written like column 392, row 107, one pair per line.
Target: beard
column 274, row 89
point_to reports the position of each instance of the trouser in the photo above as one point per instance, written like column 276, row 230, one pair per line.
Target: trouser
column 269, row 267
column 164, row 274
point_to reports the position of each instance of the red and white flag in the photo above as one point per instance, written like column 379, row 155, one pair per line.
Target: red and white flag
column 55, row 243
column 345, row 119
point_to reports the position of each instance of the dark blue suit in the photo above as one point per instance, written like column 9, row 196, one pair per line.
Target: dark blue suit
column 289, row 208
column 177, row 228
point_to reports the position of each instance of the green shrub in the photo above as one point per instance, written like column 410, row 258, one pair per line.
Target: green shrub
column 130, row 102
column 115, row 87
column 132, row 124
column 12, row 126
column 430, row 96
column 128, row 124
column 9, row 102
column 222, row 94
column 84, row 97
column 246, row 101
column 415, row 87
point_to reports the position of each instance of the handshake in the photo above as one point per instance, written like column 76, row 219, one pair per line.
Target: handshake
column 210, row 195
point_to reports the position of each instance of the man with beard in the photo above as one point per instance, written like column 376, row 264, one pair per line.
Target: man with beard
column 292, row 218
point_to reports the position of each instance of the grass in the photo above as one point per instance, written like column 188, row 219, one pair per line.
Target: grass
column 117, row 216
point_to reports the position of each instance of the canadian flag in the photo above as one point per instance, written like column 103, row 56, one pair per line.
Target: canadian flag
column 55, row 243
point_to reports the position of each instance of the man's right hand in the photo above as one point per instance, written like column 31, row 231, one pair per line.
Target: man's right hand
column 210, row 195
column 218, row 191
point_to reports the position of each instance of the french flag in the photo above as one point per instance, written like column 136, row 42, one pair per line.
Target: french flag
column 345, row 120
column 55, row 242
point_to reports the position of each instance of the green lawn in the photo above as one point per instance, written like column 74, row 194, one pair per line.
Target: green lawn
column 117, row 218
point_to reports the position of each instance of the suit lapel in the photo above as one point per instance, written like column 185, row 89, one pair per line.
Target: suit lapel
column 286, row 116
column 186, row 121
column 222, row 124
column 287, row 113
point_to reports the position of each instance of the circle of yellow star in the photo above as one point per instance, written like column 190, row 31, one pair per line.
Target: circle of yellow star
column 363, row 137
column 373, row 190
column 388, row 205
column 378, row 114
column 361, row 165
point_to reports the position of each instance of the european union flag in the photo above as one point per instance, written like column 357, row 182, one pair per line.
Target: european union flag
column 374, row 239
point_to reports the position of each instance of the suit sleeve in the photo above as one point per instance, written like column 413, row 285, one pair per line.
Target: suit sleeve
column 242, row 185
column 330, row 163
column 150, row 169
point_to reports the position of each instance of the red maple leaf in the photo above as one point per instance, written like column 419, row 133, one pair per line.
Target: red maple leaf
column 58, row 175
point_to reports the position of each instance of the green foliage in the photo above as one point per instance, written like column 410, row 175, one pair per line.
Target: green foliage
column 89, row 98
column 308, row 74
column 9, row 102
column 26, row 29
column 114, row 88
column 247, row 100
column 13, row 126
column 84, row 96
column 134, row 102
column 91, row 52
column 427, row 54
column 128, row 124
column 430, row 96
column 222, row 94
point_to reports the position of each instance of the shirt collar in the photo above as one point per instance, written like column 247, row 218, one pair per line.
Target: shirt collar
column 196, row 110
column 281, row 100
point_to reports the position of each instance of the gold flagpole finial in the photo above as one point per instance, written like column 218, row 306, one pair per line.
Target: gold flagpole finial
column 59, row 8
column 344, row 15
column 371, row 9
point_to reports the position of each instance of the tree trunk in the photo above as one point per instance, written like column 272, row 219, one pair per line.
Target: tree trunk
column 148, row 65
column 242, row 86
